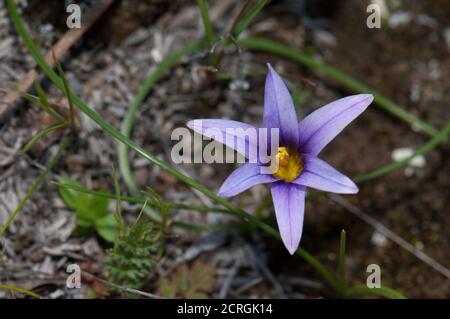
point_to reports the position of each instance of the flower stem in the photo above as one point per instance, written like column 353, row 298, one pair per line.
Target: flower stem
column 425, row 148
column 128, row 121
column 206, row 21
column 341, row 266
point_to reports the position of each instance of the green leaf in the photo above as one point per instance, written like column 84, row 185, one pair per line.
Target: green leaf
column 248, row 13
column 69, row 197
column 107, row 228
column 40, row 135
column 91, row 210
column 89, row 207
column 97, row 207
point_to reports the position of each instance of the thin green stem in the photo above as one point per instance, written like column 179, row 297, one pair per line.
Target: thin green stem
column 37, row 183
column 67, row 91
column 425, row 148
column 21, row 290
column 140, row 200
column 206, row 21
column 385, row 169
column 317, row 265
column 41, row 134
column 128, row 121
column 341, row 266
column 248, row 17
column 43, row 102
column 339, row 76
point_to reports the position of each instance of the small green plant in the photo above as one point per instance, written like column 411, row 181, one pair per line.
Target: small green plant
column 196, row 282
column 137, row 248
column 134, row 255
column 91, row 211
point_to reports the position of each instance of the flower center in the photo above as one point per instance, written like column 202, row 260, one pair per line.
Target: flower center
column 290, row 164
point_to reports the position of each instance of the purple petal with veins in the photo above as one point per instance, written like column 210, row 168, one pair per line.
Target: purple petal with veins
column 289, row 202
column 321, row 126
column 244, row 177
column 322, row 176
column 236, row 137
column 279, row 110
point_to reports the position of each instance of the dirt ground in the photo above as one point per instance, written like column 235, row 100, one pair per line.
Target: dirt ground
column 407, row 60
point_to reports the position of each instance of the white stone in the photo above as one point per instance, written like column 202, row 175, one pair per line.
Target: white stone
column 399, row 18
column 400, row 154
column 378, row 239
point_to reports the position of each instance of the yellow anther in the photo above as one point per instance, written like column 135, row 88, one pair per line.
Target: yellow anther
column 289, row 164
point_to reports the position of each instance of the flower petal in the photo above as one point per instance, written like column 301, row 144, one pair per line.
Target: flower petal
column 289, row 202
column 320, row 175
column 279, row 110
column 239, row 136
column 321, row 126
column 244, row 177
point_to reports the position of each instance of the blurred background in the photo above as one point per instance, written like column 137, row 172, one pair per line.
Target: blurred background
column 407, row 60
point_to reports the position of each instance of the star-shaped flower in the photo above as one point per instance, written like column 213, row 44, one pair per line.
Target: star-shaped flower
column 298, row 165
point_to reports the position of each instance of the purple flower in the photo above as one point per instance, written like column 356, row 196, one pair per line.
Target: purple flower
column 299, row 146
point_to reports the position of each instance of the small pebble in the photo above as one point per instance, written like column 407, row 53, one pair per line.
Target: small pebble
column 399, row 18
column 400, row 154
column 378, row 239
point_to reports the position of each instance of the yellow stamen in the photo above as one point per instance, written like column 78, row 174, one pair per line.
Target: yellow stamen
column 290, row 164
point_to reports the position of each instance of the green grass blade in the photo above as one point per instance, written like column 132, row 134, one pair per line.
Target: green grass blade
column 140, row 200
column 341, row 266
column 385, row 292
column 117, row 193
column 45, row 105
column 21, row 290
column 425, row 148
column 36, row 184
column 341, row 77
column 128, row 121
column 206, row 21
column 41, row 101
column 317, row 265
column 42, row 97
column 41, row 134
column 67, row 90
column 248, row 18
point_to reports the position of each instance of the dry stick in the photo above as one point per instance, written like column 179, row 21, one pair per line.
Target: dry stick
column 227, row 282
column 123, row 288
column 60, row 49
column 390, row 234
column 259, row 263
